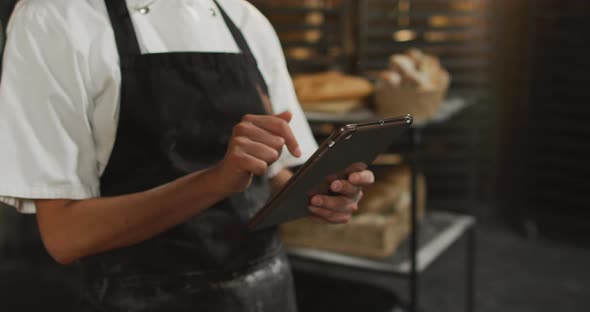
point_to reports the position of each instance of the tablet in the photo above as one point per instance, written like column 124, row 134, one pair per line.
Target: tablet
column 348, row 149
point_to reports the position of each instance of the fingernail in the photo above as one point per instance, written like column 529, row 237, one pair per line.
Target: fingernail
column 297, row 152
column 316, row 201
column 336, row 186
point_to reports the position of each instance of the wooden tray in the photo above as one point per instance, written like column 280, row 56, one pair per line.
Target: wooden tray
column 368, row 235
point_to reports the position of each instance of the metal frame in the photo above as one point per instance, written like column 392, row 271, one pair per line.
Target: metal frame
column 415, row 136
column 471, row 244
column 410, row 144
column 333, row 35
column 360, row 65
column 374, row 43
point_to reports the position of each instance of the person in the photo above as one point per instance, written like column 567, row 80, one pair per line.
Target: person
column 144, row 134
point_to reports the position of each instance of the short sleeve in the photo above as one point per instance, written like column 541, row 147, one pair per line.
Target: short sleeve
column 47, row 147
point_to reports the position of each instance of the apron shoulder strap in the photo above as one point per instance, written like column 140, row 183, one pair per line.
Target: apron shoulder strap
column 125, row 36
column 243, row 45
column 234, row 30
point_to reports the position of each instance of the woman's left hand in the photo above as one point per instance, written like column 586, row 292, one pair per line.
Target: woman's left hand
column 340, row 207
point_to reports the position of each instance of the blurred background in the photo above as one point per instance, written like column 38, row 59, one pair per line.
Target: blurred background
column 497, row 162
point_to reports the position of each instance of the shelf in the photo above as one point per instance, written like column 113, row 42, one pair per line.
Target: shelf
column 448, row 108
column 437, row 233
column 359, row 115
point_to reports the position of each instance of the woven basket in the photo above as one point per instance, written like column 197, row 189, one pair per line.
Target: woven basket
column 393, row 100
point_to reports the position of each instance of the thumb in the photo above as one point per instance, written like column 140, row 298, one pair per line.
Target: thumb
column 286, row 115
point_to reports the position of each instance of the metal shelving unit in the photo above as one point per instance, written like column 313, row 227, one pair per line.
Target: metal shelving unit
column 456, row 31
column 426, row 242
column 444, row 149
column 461, row 35
column 367, row 32
column 437, row 233
column 314, row 34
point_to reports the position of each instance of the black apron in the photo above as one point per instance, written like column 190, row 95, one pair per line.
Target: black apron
column 176, row 116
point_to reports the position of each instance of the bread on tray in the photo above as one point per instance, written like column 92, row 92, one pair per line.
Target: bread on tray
column 331, row 91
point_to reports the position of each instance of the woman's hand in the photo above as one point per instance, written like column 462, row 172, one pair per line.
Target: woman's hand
column 256, row 143
column 339, row 208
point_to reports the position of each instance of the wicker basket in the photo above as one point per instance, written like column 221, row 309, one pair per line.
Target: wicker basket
column 393, row 100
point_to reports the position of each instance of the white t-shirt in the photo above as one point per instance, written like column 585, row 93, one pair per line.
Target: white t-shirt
column 59, row 93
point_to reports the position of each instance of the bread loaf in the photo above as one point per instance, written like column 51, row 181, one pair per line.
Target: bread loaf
column 415, row 83
column 330, row 86
column 391, row 192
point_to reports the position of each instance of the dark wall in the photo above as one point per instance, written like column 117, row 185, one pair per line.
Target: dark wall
column 545, row 118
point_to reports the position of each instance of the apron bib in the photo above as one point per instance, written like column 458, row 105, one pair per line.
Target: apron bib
column 176, row 116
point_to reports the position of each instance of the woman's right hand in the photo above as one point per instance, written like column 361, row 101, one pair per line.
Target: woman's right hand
column 256, row 143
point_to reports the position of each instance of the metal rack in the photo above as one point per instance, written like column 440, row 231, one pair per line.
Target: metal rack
column 445, row 149
column 426, row 242
column 314, row 34
column 456, row 31
column 459, row 32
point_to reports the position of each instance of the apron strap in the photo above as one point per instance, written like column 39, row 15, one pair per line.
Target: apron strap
column 235, row 31
column 127, row 43
column 243, row 45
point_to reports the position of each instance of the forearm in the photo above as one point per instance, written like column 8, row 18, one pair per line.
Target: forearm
column 74, row 229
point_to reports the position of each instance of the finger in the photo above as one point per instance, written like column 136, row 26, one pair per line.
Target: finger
column 249, row 163
column 286, row 116
column 277, row 125
column 260, row 135
column 345, row 188
column 340, row 204
column 260, row 151
column 329, row 215
column 358, row 166
column 364, row 177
